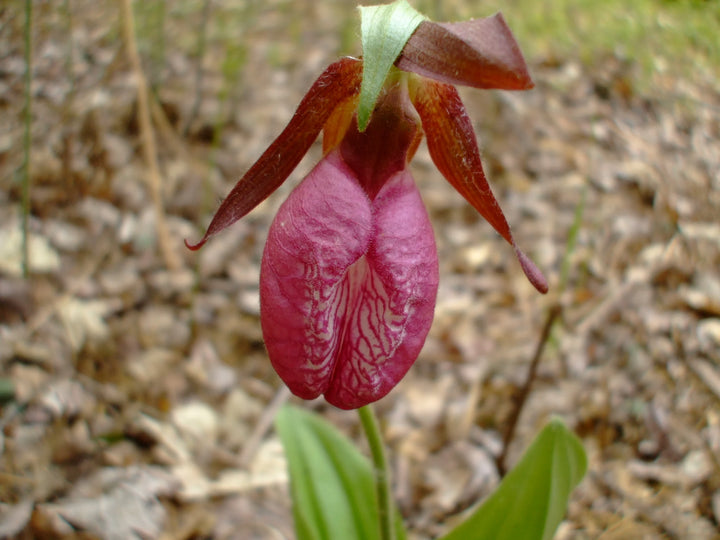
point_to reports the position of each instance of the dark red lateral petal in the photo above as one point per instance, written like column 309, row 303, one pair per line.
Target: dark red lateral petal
column 481, row 53
column 453, row 147
column 339, row 82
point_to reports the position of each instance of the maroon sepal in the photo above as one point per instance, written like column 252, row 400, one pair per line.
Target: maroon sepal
column 481, row 53
column 339, row 82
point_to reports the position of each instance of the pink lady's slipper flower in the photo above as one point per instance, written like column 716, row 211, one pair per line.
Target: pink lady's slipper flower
column 349, row 274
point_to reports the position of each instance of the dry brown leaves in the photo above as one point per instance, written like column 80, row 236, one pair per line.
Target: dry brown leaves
column 142, row 397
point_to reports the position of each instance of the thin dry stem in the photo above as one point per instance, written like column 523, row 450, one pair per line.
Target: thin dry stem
column 262, row 426
column 27, row 142
column 168, row 136
column 147, row 135
column 525, row 391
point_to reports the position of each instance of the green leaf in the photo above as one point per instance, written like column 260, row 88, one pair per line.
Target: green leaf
column 385, row 30
column 7, row 390
column 332, row 483
column 531, row 500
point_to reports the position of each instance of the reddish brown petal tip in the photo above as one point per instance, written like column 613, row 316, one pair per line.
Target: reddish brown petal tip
column 196, row 246
column 532, row 272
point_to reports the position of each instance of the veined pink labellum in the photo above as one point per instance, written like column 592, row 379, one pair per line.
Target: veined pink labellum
column 348, row 285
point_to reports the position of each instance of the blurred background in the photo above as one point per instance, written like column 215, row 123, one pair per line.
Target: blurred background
column 137, row 399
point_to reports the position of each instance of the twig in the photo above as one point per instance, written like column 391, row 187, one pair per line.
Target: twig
column 27, row 140
column 525, row 391
column 167, row 133
column 172, row 261
column 665, row 521
column 263, row 426
column 706, row 374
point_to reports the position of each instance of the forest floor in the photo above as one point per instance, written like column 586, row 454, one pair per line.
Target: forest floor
column 137, row 395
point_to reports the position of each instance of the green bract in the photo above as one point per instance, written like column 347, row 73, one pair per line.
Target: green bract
column 385, row 30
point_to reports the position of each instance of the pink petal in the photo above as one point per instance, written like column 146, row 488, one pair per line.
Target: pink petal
column 347, row 288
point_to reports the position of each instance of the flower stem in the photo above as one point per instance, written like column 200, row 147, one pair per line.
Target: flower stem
column 381, row 470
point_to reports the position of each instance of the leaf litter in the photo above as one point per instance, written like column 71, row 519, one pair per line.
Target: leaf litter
column 141, row 395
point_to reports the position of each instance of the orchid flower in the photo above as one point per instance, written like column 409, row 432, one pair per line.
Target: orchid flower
column 349, row 273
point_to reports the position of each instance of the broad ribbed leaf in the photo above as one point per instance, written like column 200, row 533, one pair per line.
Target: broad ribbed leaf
column 336, row 85
column 385, row 30
column 453, row 148
column 481, row 53
column 331, row 483
column 532, row 499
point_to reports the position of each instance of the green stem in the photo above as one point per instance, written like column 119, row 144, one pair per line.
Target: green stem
column 27, row 140
column 382, row 472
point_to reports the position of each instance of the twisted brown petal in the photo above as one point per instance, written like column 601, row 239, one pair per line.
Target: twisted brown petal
column 338, row 83
column 481, row 53
column 453, row 147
